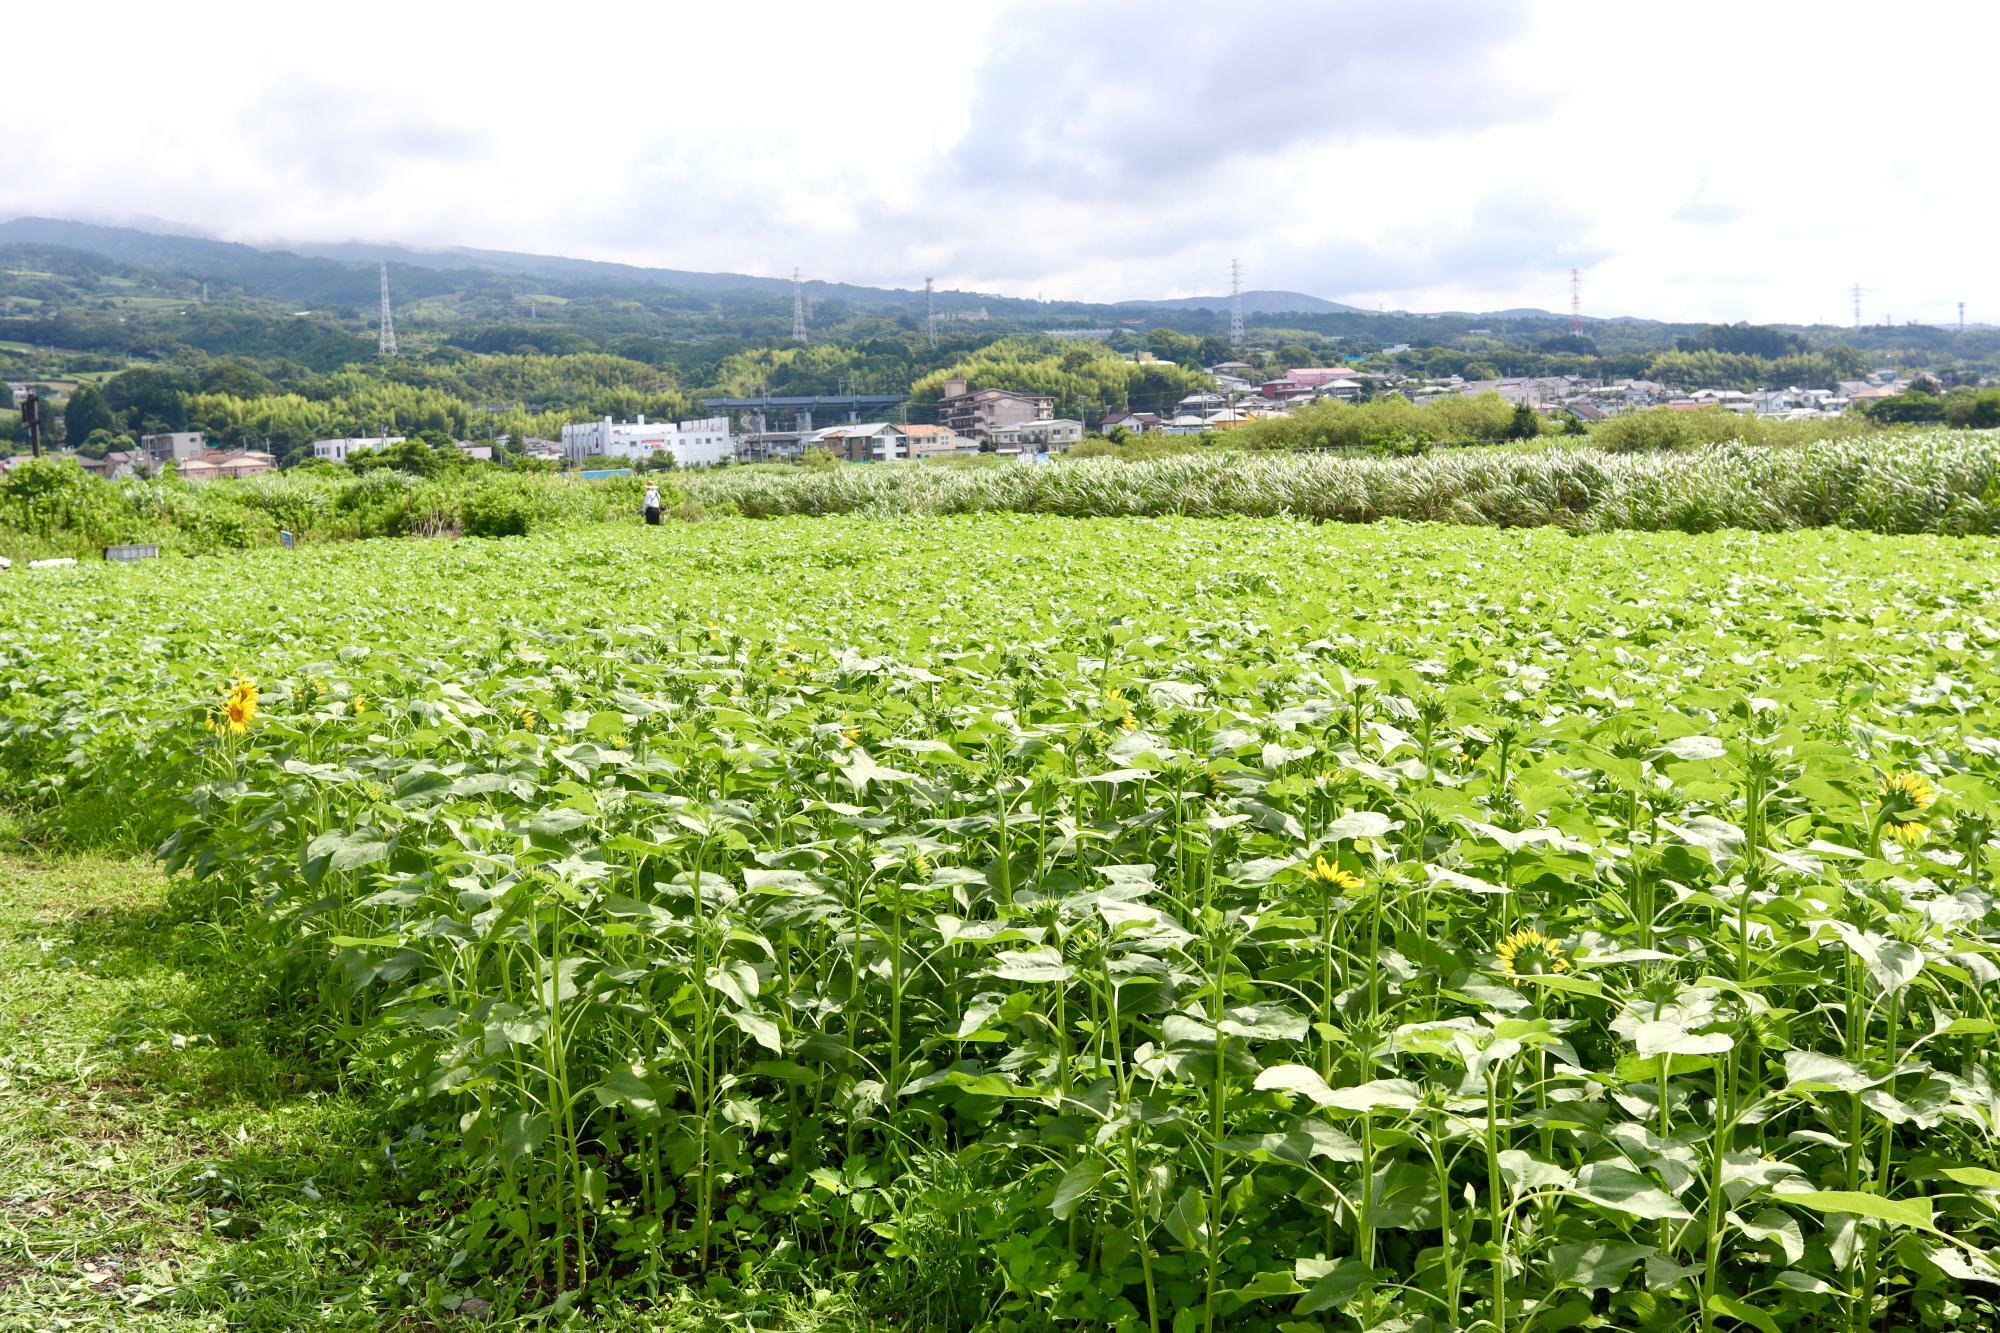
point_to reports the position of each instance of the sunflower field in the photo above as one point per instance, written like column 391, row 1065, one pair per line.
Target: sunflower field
column 1029, row 922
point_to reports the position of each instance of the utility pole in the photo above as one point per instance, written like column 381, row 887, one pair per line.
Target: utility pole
column 1236, row 304
column 930, row 315
column 386, row 343
column 31, row 417
column 798, row 308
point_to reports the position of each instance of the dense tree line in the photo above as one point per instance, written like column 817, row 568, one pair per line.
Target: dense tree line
column 1975, row 409
column 1086, row 379
column 1711, row 368
column 282, row 407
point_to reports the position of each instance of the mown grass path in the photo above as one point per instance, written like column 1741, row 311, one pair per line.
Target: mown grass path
column 172, row 1158
column 164, row 1161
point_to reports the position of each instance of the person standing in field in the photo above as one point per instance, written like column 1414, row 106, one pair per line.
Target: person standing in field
column 653, row 504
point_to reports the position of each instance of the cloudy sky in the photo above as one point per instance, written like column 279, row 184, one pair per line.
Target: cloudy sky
column 1750, row 159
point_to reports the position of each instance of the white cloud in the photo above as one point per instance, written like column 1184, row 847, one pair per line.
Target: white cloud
column 1702, row 160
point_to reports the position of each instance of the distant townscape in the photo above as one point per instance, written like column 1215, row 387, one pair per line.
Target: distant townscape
column 146, row 354
column 1004, row 422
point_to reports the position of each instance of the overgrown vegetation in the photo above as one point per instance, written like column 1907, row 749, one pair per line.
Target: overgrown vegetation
column 1908, row 482
column 1390, row 425
column 1658, row 475
column 53, row 508
column 1671, row 428
column 1294, row 927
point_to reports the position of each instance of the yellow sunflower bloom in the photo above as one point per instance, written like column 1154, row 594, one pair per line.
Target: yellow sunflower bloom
column 1908, row 832
column 1331, row 875
column 1527, row 952
column 238, row 708
column 1911, row 792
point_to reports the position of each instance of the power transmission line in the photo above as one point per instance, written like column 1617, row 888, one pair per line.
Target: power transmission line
column 1236, row 304
column 386, row 343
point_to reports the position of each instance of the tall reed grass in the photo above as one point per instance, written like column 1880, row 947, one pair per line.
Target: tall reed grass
column 1940, row 481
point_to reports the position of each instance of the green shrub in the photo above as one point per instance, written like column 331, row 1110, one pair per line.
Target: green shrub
column 1383, row 424
column 1664, row 429
column 495, row 510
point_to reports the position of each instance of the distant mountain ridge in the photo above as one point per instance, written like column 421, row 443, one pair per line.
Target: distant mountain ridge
column 307, row 270
column 1254, row 303
column 320, row 273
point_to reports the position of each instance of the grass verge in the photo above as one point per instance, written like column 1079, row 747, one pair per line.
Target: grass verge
column 172, row 1158
column 168, row 1157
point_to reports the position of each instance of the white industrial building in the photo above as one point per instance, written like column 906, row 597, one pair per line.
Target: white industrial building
column 702, row 443
column 338, row 450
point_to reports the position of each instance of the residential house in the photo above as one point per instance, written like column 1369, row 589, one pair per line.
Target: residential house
column 170, row 446
column 771, row 446
column 1312, row 377
column 928, row 441
column 1306, row 383
column 1624, row 395
column 224, row 465
column 981, row 412
column 1136, row 422
column 865, row 442
column 1056, row 434
column 1732, row 400
column 119, row 463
